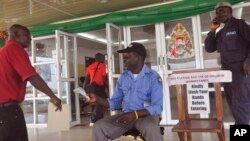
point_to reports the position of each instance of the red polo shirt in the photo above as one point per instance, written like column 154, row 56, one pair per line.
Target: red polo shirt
column 15, row 69
column 100, row 73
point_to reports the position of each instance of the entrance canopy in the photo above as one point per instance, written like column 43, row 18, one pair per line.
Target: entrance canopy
column 38, row 14
column 149, row 15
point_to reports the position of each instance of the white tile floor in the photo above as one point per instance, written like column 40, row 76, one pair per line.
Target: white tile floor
column 83, row 133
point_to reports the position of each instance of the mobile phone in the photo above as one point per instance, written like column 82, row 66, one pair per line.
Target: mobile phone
column 215, row 21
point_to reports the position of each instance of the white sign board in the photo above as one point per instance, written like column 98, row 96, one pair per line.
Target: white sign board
column 200, row 77
column 198, row 98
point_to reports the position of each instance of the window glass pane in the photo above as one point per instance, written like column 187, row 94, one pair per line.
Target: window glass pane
column 44, row 50
column 117, row 66
column 42, row 110
column 48, row 74
column 211, row 60
column 27, row 107
column 146, row 36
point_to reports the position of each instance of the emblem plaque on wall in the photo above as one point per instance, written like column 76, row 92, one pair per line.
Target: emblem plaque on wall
column 180, row 47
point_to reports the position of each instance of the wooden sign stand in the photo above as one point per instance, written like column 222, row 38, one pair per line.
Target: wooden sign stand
column 188, row 124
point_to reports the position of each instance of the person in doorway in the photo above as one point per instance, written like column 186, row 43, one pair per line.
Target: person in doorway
column 233, row 44
column 96, row 74
column 139, row 93
column 15, row 71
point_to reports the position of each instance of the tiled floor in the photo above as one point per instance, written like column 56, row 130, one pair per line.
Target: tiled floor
column 83, row 133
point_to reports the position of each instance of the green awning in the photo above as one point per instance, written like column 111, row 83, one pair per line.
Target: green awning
column 150, row 15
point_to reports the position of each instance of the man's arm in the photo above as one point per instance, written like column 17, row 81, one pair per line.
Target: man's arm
column 96, row 99
column 40, row 84
column 210, row 41
column 245, row 34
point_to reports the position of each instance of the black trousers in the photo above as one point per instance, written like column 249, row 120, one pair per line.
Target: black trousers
column 238, row 99
column 98, row 112
column 12, row 123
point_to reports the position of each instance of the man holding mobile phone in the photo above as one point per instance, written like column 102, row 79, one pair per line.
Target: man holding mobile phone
column 233, row 44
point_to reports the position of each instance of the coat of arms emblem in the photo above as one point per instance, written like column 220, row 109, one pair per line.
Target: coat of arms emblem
column 180, row 45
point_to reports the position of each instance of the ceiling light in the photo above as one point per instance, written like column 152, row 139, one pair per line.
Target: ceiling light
column 87, row 35
column 141, row 41
column 102, row 1
column 102, row 40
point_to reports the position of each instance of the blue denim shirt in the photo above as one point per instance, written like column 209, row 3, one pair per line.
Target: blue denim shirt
column 143, row 92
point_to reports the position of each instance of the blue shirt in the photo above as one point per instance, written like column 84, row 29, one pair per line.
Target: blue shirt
column 143, row 92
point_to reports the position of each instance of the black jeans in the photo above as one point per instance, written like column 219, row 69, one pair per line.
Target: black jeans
column 12, row 124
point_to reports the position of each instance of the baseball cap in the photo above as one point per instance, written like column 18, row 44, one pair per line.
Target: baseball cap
column 223, row 4
column 135, row 47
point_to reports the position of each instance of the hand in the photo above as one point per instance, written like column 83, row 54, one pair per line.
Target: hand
column 214, row 24
column 246, row 68
column 126, row 118
column 57, row 102
column 92, row 98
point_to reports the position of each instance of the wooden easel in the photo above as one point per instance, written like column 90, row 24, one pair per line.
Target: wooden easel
column 187, row 124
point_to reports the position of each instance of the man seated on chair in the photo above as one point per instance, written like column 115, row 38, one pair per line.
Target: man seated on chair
column 139, row 93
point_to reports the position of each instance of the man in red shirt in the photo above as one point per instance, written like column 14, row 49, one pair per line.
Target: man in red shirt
column 15, row 71
column 96, row 73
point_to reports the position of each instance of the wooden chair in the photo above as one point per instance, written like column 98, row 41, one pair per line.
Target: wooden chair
column 187, row 124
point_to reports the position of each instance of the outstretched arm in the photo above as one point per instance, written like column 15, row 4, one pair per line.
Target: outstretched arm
column 40, row 84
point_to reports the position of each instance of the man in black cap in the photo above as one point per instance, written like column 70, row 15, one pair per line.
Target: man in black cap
column 232, row 41
column 140, row 95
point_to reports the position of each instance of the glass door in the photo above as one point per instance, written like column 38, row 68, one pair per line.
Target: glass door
column 149, row 37
column 180, row 52
column 36, row 103
column 115, row 65
column 67, row 72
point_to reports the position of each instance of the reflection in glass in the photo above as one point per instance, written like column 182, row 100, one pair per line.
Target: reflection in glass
column 67, row 51
column 29, row 90
column 45, row 50
column 211, row 60
column 71, row 57
column 48, row 73
column 27, row 107
column 66, row 88
column 116, row 45
column 42, row 111
column 146, row 36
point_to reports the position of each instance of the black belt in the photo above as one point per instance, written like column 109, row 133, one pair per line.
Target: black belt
column 8, row 104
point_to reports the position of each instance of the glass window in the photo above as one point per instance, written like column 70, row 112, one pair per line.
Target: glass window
column 48, row 73
column 146, row 36
column 115, row 39
column 27, row 107
column 42, row 110
column 44, row 50
column 211, row 60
